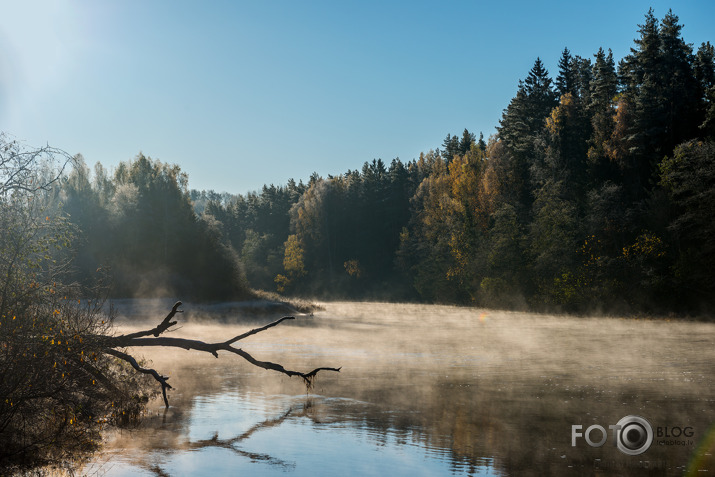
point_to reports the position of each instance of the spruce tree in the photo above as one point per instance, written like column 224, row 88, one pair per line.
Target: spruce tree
column 465, row 144
column 659, row 81
column 522, row 123
column 604, row 85
column 481, row 144
column 680, row 85
column 566, row 80
column 602, row 110
column 451, row 146
column 540, row 94
column 704, row 70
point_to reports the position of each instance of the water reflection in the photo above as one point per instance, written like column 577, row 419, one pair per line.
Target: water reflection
column 429, row 391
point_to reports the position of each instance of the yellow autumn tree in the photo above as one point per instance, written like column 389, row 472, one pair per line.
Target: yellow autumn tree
column 293, row 263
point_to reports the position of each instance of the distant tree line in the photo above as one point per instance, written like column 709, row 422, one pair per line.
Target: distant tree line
column 598, row 190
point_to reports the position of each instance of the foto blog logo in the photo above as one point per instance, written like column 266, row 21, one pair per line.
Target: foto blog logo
column 633, row 435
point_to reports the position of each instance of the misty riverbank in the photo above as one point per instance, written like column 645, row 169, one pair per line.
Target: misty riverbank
column 265, row 304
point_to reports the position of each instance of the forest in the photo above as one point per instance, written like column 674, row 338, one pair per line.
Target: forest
column 596, row 193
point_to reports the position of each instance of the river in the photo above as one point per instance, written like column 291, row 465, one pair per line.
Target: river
column 426, row 390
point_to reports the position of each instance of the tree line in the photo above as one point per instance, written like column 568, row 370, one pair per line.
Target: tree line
column 594, row 192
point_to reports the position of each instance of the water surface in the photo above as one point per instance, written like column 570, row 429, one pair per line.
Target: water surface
column 424, row 390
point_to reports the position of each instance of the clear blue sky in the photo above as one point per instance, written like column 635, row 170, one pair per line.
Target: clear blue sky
column 241, row 94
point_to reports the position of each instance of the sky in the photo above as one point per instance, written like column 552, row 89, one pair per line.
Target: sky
column 245, row 93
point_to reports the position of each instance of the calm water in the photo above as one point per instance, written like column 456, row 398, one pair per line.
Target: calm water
column 426, row 390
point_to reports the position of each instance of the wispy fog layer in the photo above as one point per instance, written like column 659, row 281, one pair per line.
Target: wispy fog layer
column 469, row 385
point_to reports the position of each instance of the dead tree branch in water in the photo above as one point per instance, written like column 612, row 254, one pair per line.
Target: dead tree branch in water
column 141, row 338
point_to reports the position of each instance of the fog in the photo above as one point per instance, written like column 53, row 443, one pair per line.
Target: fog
column 447, row 389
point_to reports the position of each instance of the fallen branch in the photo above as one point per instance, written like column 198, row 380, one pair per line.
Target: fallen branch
column 141, row 338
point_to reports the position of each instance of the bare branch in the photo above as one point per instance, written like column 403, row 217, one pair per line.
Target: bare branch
column 130, row 359
column 139, row 339
column 21, row 167
column 163, row 326
column 258, row 330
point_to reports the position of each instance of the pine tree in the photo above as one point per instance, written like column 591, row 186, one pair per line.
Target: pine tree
column 566, row 136
column 680, row 85
column 605, row 81
column 539, row 90
column 602, row 110
column 465, row 144
column 659, row 82
column 583, row 72
column 451, row 146
column 566, row 80
column 639, row 134
column 481, row 144
column 704, row 70
column 521, row 124
column 644, row 59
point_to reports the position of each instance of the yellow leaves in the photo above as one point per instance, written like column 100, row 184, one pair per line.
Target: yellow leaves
column 590, row 249
column 646, row 245
column 353, row 268
column 293, row 257
column 560, row 114
column 281, row 282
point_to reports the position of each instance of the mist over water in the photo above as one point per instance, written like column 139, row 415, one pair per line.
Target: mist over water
column 424, row 390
